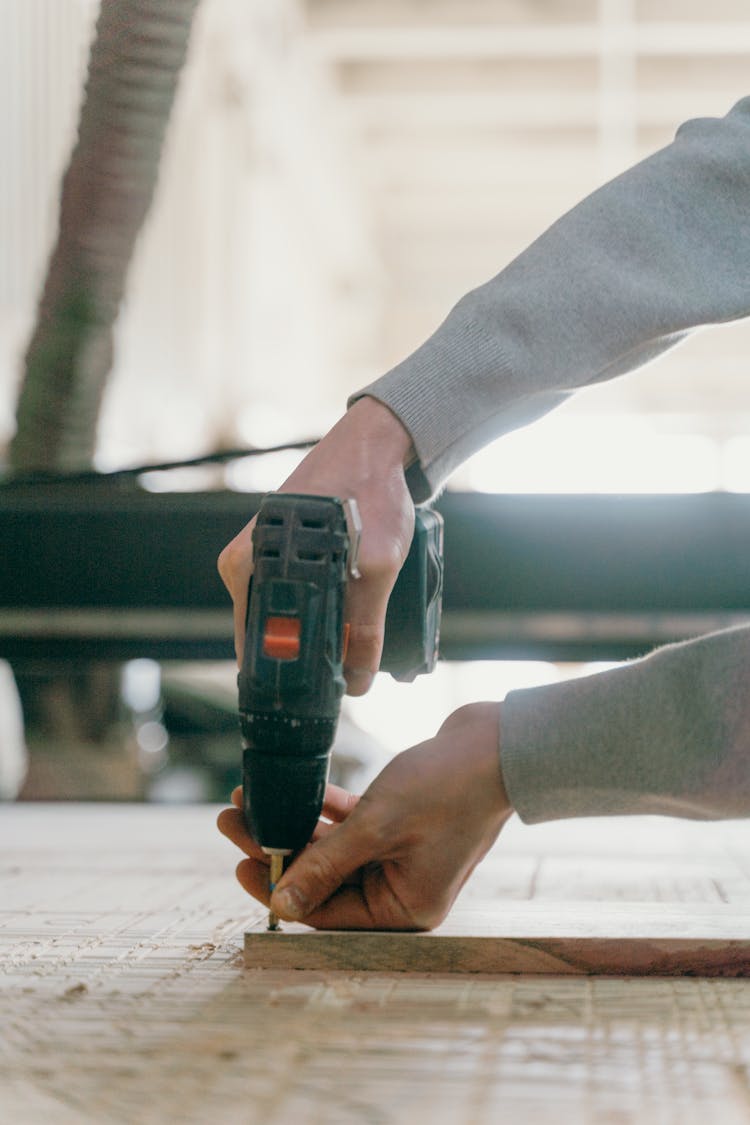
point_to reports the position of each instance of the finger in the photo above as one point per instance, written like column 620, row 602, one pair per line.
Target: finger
column 231, row 824
column 236, row 797
column 364, row 648
column 370, row 905
column 338, row 803
column 347, row 910
column 239, row 611
column 366, row 605
column 344, row 910
column 253, row 877
column 318, row 871
column 235, row 566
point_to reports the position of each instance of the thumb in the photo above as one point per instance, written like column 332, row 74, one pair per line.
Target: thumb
column 320, row 869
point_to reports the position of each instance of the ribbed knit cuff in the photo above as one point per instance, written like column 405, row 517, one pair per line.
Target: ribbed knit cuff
column 448, row 395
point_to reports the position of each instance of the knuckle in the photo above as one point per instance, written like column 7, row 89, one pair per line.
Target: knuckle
column 383, row 569
column 224, row 565
column 351, row 800
column 367, row 635
column 374, row 833
column 233, row 561
column 429, row 915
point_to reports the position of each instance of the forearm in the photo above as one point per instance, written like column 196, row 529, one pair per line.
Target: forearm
column 667, row 735
column 659, row 250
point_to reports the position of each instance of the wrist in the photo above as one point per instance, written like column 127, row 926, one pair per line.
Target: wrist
column 362, row 457
column 489, row 761
column 476, row 727
column 375, row 423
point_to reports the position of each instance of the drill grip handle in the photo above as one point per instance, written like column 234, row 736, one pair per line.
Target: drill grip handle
column 291, row 680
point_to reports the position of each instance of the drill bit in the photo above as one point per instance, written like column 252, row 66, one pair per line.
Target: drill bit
column 277, row 870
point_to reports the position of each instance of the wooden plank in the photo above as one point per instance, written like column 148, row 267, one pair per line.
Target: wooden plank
column 680, row 939
column 668, row 899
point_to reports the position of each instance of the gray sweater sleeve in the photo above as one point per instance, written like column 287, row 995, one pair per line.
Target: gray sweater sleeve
column 619, row 279
column 661, row 249
column 667, row 735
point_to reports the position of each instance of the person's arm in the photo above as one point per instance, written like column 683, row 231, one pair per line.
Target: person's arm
column 667, row 735
column 662, row 248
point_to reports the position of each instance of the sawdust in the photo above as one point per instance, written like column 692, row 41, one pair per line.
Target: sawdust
column 75, row 991
column 203, row 950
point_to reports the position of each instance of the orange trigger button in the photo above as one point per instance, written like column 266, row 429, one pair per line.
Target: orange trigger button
column 281, row 638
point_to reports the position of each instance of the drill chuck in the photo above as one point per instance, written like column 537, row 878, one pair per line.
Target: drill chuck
column 284, row 774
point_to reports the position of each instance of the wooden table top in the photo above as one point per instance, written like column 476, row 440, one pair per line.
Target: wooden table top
column 123, row 996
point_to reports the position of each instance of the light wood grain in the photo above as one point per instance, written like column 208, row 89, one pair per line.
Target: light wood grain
column 572, row 938
column 123, row 995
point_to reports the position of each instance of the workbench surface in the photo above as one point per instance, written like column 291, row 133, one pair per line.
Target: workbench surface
column 124, row 998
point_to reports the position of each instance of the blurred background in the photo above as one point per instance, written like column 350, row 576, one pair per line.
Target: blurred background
column 335, row 174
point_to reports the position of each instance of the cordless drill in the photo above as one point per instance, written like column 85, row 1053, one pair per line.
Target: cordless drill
column 291, row 681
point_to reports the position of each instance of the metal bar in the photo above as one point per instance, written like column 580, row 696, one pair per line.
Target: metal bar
column 113, row 572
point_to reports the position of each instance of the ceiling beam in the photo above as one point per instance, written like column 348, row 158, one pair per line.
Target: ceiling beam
column 560, row 109
column 401, row 166
column 496, row 40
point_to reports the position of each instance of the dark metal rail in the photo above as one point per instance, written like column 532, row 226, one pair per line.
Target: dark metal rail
column 102, row 571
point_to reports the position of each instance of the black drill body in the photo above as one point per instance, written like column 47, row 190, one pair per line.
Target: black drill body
column 291, row 681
